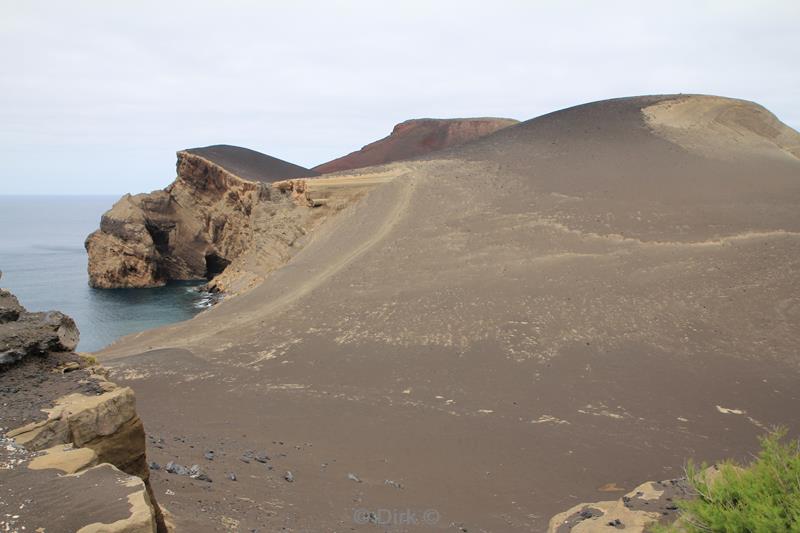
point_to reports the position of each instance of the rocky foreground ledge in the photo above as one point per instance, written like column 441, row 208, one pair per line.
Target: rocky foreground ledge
column 72, row 446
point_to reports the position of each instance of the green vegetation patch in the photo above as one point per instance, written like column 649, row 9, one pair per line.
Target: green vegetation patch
column 763, row 497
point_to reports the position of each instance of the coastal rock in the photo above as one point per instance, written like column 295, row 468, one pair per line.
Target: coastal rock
column 198, row 225
column 10, row 308
column 417, row 137
column 23, row 333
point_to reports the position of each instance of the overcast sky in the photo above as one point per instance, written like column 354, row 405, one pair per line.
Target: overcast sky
column 96, row 97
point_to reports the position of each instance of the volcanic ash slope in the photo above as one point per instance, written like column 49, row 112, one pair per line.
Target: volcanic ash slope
column 569, row 306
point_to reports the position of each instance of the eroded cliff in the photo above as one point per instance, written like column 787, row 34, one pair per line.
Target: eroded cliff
column 199, row 224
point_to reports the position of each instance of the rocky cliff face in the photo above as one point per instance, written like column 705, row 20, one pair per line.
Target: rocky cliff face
column 62, row 416
column 197, row 226
column 417, row 137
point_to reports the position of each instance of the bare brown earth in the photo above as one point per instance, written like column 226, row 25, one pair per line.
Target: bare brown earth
column 547, row 316
column 414, row 138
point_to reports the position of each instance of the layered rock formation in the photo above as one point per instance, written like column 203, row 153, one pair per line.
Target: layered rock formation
column 198, row 225
column 71, row 439
column 414, row 138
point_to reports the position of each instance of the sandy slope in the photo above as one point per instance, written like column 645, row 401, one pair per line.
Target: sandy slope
column 575, row 301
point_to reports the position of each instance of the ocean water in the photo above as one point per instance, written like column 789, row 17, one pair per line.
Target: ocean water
column 44, row 264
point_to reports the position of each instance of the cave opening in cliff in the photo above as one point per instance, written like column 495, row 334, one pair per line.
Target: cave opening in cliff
column 160, row 237
column 215, row 264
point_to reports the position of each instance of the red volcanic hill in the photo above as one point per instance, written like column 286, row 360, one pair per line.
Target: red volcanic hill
column 417, row 137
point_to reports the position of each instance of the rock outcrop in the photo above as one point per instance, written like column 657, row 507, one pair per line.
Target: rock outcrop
column 71, row 439
column 23, row 333
column 10, row 308
column 647, row 504
column 198, row 225
column 650, row 503
column 417, row 137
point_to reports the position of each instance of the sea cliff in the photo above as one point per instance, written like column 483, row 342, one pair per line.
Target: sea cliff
column 198, row 225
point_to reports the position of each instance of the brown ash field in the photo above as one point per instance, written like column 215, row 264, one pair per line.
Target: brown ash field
column 495, row 332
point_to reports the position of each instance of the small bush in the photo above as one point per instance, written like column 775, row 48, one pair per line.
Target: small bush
column 763, row 497
column 90, row 360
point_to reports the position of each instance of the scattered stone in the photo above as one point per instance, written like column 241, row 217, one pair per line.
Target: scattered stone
column 209, row 455
column 617, row 523
column 289, row 476
column 262, row 457
column 195, row 472
column 231, row 476
column 175, row 468
column 154, row 465
column 394, row 484
column 353, row 477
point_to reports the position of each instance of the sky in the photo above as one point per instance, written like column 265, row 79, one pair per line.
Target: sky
column 96, row 97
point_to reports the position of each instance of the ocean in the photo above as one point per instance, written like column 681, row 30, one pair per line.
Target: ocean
column 44, row 264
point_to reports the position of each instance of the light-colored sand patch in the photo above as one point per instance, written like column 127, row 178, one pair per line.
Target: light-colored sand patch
column 727, row 411
column 603, row 410
column 711, row 125
column 548, row 419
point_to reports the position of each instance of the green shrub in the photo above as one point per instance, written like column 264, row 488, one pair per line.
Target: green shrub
column 763, row 497
column 89, row 359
